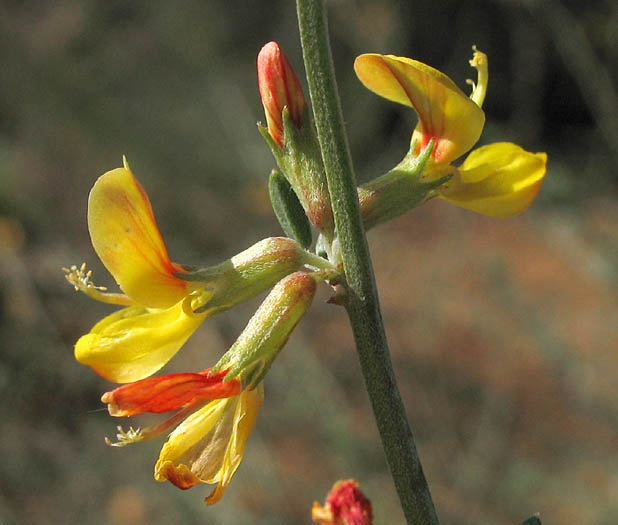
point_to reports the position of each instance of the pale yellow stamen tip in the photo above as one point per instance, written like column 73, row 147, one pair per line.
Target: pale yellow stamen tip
column 133, row 435
column 80, row 278
column 479, row 59
column 479, row 88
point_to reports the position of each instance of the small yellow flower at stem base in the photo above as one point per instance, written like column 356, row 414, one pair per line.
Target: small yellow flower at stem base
column 209, row 445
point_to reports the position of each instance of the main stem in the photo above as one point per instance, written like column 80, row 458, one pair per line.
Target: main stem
column 362, row 302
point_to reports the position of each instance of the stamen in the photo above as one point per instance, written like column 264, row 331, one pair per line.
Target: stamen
column 136, row 435
column 133, row 435
column 80, row 279
column 479, row 89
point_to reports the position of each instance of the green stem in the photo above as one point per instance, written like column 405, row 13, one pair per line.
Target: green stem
column 361, row 298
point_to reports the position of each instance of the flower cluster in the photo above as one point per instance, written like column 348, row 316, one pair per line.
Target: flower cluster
column 163, row 303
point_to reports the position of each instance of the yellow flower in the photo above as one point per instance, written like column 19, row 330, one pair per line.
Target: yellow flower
column 500, row 179
column 163, row 310
column 208, row 446
column 136, row 341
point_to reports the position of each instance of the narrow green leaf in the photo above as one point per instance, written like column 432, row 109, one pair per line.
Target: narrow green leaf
column 288, row 209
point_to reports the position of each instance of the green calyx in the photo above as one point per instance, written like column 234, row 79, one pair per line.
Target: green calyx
column 258, row 345
column 251, row 272
column 399, row 190
column 300, row 161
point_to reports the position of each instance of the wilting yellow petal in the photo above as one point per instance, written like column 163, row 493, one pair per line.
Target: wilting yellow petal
column 499, row 180
column 445, row 113
column 133, row 343
column 209, row 445
column 126, row 238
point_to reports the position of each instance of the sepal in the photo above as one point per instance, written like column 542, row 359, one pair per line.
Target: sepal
column 251, row 272
column 300, row 161
column 248, row 273
column 401, row 189
column 258, row 345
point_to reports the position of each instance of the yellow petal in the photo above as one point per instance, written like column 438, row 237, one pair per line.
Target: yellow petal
column 209, row 445
column 445, row 113
column 499, row 180
column 126, row 238
column 133, row 343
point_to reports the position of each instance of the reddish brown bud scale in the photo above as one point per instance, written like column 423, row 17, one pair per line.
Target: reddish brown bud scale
column 279, row 88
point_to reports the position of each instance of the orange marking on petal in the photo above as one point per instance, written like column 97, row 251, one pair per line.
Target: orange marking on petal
column 169, row 392
column 126, row 237
column 445, row 112
column 182, row 477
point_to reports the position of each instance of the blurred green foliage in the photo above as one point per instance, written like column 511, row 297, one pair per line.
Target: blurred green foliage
column 503, row 332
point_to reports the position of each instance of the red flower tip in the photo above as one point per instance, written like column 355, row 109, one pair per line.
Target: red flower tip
column 345, row 505
column 169, row 392
column 279, row 87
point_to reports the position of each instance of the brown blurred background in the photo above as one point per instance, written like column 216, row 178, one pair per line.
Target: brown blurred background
column 503, row 332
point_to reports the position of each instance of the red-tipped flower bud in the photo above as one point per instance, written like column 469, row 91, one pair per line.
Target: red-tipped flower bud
column 345, row 505
column 279, row 88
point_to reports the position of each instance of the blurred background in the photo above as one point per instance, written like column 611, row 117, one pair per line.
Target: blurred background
column 503, row 332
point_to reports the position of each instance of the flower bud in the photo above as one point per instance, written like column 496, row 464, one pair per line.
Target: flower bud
column 279, row 88
column 345, row 505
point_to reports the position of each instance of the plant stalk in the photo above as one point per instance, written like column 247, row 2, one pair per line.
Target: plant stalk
column 361, row 300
